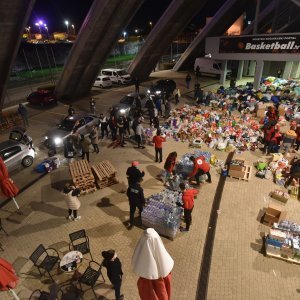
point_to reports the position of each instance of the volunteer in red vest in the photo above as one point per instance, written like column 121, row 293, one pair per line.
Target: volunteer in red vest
column 158, row 140
column 201, row 167
column 188, row 204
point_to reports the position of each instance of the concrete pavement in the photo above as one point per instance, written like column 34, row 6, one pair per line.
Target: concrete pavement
column 238, row 269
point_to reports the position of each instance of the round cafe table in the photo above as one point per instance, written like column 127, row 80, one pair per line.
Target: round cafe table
column 71, row 261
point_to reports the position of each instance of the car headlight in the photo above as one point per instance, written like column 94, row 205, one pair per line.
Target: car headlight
column 148, row 91
column 157, row 92
column 122, row 111
column 46, row 138
column 57, row 141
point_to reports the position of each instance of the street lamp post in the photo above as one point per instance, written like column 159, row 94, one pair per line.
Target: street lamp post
column 150, row 23
column 124, row 33
column 73, row 29
column 67, row 24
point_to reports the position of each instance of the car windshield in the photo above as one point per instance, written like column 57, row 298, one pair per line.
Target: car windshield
column 67, row 124
column 122, row 73
column 127, row 100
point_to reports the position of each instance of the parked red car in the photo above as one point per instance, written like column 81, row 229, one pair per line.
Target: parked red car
column 42, row 98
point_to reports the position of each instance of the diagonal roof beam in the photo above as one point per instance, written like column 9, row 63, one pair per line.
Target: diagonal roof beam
column 98, row 35
column 172, row 22
column 265, row 13
column 14, row 15
column 221, row 21
column 297, row 2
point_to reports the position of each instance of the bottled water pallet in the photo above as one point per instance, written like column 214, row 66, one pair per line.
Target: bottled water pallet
column 105, row 174
column 82, row 176
column 169, row 234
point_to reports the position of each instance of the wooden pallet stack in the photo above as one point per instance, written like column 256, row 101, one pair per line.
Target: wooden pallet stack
column 105, row 174
column 82, row 176
column 239, row 170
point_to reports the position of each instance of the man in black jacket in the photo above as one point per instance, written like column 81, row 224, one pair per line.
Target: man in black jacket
column 136, row 198
column 134, row 175
column 114, row 271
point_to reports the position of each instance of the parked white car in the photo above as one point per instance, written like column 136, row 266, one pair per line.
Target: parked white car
column 103, row 82
column 117, row 76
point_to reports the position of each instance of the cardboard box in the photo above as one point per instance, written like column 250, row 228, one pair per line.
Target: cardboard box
column 278, row 197
column 235, row 173
column 237, row 167
column 274, row 213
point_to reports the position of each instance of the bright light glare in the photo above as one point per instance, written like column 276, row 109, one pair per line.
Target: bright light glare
column 41, row 22
column 57, row 141
column 122, row 111
column 67, row 23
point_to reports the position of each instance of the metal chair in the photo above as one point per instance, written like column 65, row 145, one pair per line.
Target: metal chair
column 91, row 276
column 43, row 260
column 1, row 227
column 80, row 242
column 42, row 295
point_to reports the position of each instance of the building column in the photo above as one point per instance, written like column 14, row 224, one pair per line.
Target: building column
column 251, row 68
column 240, row 70
column 258, row 73
column 296, row 70
column 246, row 66
column 287, row 69
column 223, row 72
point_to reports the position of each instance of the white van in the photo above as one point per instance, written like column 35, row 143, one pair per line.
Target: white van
column 209, row 66
column 118, row 76
column 103, row 82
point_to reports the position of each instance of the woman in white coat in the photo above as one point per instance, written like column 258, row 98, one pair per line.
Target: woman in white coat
column 73, row 203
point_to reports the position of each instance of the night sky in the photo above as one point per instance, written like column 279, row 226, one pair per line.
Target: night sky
column 55, row 12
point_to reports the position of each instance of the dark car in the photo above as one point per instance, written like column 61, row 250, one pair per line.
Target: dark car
column 42, row 98
column 164, row 87
column 127, row 106
column 81, row 123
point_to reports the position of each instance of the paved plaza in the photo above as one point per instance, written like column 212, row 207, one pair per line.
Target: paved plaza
column 239, row 269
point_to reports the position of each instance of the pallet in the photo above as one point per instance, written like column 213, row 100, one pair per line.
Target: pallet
column 105, row 174
column 82, row 176
column 248, row 173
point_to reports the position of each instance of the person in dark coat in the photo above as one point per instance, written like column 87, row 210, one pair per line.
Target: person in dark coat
column 121, row 129
column 85, row 146
column 71, row 110
column 114, row 271
column 69, row 151
column 136, row 199
column 134, row 175
column 103, row 125
column 167, row 109
column 188, row 79
column 113, row 127
column 24, row 114
column 137, row 85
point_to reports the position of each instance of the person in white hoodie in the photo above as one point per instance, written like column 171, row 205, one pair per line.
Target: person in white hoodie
column 152, row 262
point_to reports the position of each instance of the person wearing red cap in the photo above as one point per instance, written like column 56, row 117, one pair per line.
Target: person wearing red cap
column 158, row 140
column 134, row 175
column 201, row 167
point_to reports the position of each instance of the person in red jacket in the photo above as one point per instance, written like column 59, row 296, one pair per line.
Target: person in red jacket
column 158, row 140
column 170, row 164
column 188, row 204
column 201, row 167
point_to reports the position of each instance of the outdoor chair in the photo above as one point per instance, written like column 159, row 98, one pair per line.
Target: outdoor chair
column 42, row 295
column 43, row 260
column 80, row 242
column 91, row 276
